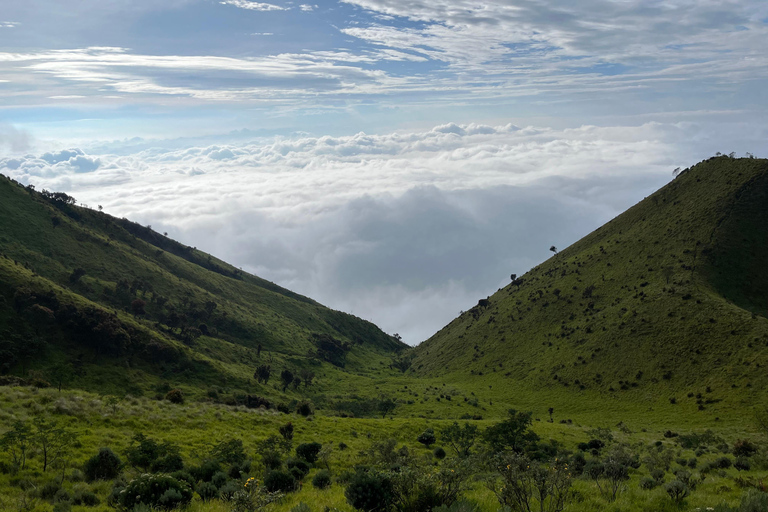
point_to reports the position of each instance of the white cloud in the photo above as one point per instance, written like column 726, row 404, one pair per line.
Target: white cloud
column 307, row 7
column 9, row 24
column 253, row 6
column 402, row 228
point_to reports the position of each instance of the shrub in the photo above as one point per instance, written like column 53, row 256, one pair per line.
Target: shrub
column 207, row 491
column 742, row 464
column 175, row 396
column 237, row 471
column 648, row 483
column 693, row 462
column 229, row 489
column 85, row 497
column 458, row 506
column 744, row 448
column 723, row 463
column 299, row 465
column 308, row 451
column 279, row 481
column 206, row 470
column 49, row 490
column 301, row 507
column 322, row 480
column 439, row 453
column 184, row 476
column 219, row 479
column 304, row 408
column 168, row 464
column 427, row 438
column 103, row 466
column 677, row 490
column 369, row 492
column 754, row 501
column 160, row 491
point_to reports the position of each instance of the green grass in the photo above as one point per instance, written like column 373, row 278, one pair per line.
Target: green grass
column 678, row 305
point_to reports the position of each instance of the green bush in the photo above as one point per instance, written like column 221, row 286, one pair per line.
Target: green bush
column 754, row 501
column 299, row 465
column 427, row 438
column 206, row 470
column 175, row 396
column 677, row 490
column 229, row 489
column 742, row 464
column 322, row 480
column 168, row 464
column 279, row 481
column 369, row 492
column 308, row 451
column 103, row 466
column 439, row 453
column 648, row 483
column 207, row 491
column 459, row 506
column 85, row 497
column 159, row 491
column 219, row 479
column 238, row 471
column 301, row 507
column 49, row 490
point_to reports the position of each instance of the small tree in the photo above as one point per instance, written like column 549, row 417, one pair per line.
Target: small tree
column 59, row 374
column 461, row 439
column 16, row 443
column 308, row 451
column 262, row 373
column 137, row 306
column 427, row 438
column 386, row 406
column 286, row 431
column 553, row 249
column 52, row 439
column 287, row 377
column 306, row 376
column 511, row 434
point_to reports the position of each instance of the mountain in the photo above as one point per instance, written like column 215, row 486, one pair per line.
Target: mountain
column 115, row 307
column 663, row 306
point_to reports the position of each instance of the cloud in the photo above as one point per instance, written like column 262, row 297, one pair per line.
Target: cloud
column 9, row 24
column 14, row 139
column 253, row 6
column 307, row 7
column 403, row 228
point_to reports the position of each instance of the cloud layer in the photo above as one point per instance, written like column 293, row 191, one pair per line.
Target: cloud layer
column 404, row 228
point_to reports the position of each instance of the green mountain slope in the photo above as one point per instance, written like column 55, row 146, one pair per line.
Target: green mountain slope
column 663, row 306
column 133, row 310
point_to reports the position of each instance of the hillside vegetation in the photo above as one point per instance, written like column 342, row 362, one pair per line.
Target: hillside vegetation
column 108, row 305
column 664, row 307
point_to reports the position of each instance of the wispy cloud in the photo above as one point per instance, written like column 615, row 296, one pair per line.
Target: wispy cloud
column 9, row 24
column 253, row 6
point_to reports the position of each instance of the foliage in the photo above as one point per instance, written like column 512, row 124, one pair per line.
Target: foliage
column 461, row 439
column 160, row 491
column 369, row 492
column 322, row 479
column 308, row 451
column 175, row 396
column 427, row 438
column 514, row 433
column 677, row 490
column 105, row 465
column 279, row 481
column 16, row 442
column 527, row 485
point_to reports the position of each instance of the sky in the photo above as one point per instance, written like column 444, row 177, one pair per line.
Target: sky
column 394, row 159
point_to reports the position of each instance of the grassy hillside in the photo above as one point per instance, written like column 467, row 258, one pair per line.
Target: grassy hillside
column 662, row 309
column 125, row 309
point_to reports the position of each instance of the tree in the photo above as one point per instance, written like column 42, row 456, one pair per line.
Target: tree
column 513, row 277
column 52, row 439
column 386, row 406
column 427, row 438
column 306, row 376
column 76, row 274
column 551, row 411
column 511, row 434
column 59, row 374
column 287, row 377
column 16, row 442
column 461, row 439
column 262, row 373
column 553, row 249
column 137, row 306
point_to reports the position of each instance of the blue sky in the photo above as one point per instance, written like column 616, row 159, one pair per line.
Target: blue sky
column 368, row 133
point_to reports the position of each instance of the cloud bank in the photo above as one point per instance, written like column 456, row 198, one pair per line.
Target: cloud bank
column 405, row 229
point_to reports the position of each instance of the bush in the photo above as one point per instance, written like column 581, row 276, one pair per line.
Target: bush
column 237, row 471
column 427, row 438
column 279, row 481
column 677, row 490
column 742, row 464
column 229, row 489
column 49, row 490
column 103, row 466
column 723, row 463
column 159, row 491
column 185, row 476
column 754, row 501
column 301, row 507
column 305, row 408
column 168, row 464
column 175, row 396
column 219, row 479
column 458, row 506
column 308, row 451
column 744, row 448
column 299, row 465
column 322, row 480
column 206, row 470
column 648, row 483
column 207, row 491
column 439, row 453
column 369, row 492
column 85, row 497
